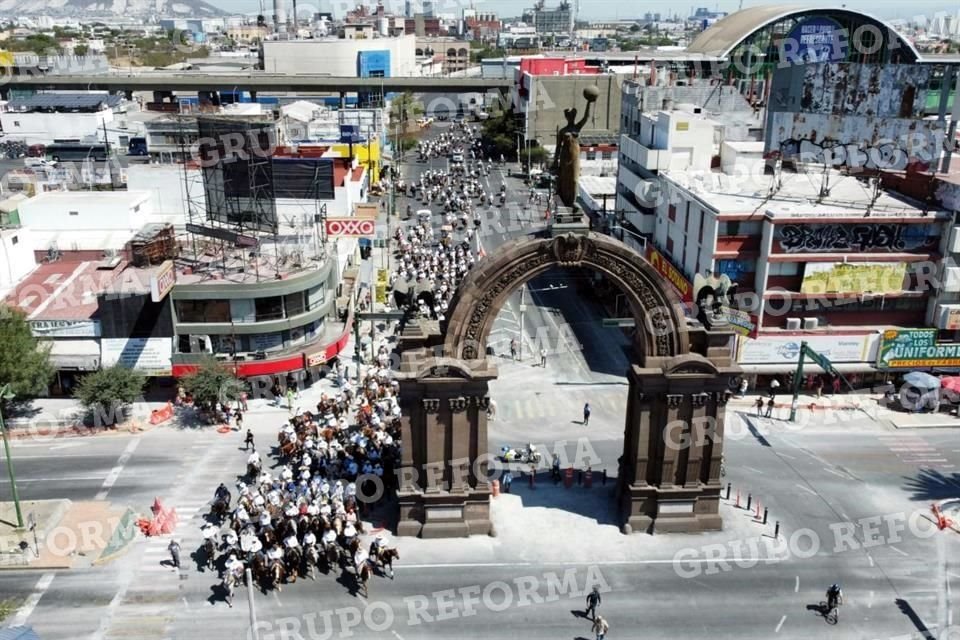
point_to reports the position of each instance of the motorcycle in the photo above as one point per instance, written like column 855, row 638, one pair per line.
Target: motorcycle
column 528, row 454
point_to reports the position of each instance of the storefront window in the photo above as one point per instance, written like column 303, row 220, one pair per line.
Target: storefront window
column 269, row 308
column 294, row 304
column 203, row 310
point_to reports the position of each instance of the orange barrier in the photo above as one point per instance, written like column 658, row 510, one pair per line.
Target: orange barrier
column 568, row 477
column 588, row 478
column 161, row 415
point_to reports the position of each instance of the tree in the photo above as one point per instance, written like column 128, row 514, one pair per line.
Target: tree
column 212, row 383
column 404, row 108
column 24, row 363
column 81, row 50
column 108, row 392
column 534, row 156
column 634, row 28
column 501, row 131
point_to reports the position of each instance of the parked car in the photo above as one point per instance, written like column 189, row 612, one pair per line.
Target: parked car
column 456, row 158
column 38, row 163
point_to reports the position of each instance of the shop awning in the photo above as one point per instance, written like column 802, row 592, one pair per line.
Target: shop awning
column 75, row 355
column 808, row 368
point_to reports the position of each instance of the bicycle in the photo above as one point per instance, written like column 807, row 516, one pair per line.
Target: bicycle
column 831, row 615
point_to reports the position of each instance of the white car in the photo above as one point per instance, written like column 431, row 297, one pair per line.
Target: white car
column 39, row 163
column 456, row 158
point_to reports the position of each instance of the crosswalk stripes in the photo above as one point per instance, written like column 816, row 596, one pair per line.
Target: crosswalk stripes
column 913, row 449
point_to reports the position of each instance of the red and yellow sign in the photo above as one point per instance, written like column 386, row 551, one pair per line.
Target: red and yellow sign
column 680, row 284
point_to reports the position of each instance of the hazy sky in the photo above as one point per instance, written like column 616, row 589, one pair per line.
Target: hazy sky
column 599, row 9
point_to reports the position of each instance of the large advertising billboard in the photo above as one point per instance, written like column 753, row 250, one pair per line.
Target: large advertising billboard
column 916, row 349
column 786, row 350
column 819, row 39
column 861, row 277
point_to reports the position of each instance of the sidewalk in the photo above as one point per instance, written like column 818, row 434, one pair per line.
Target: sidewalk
column 62, row 418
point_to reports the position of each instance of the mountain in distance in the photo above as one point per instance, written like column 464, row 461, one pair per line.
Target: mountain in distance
column 92, row 8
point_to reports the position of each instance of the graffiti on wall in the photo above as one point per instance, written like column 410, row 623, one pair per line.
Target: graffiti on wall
column 856, row 141
column 836, row 238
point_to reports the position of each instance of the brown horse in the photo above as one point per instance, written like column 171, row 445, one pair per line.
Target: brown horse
column 332, row 554
column 363, row 578
column 311, row 559
column 277, row 575
column 293, row 560
column 387, row 556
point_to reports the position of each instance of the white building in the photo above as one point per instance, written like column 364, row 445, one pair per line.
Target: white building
column 389, row 57
column 87, row 211
column 45, row 117
column 16, row 256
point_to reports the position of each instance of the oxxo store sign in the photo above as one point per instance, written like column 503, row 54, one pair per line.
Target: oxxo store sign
column 916, row 349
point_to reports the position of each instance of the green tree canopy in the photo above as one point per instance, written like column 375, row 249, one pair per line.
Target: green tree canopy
column 107, row 392
column 24, row 365
column 212, row 383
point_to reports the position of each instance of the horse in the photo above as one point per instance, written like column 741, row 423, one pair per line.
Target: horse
column 387, row 556
column 363, row 577
column 332, row 554
column 209, row 551
column 227, row 585
column 292, row 560
column 220, row 508
column 253, row 470
column 311, row 559
column 277, row 575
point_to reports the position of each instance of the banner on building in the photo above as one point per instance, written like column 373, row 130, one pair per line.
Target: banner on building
column 916, row 349
column 786, row 350
column 151, row 356
column 860, row 277
column 65, row 328
column 350, row 227
column 664, row 267
column 366, row 210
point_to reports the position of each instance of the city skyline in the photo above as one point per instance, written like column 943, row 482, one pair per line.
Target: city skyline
column 601, row 9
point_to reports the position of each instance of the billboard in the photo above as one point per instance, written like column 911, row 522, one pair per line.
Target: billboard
column 237, row 165
column 786, row 350
column 303, row 178
column 860, row 277
column 916, row 349
column 65, row 328
column 818, row 39
column 152, row 356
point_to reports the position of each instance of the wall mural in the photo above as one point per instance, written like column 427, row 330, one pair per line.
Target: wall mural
column 834, row 238
column 887, row 91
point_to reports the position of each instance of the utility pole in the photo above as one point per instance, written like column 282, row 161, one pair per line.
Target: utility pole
column 106, row 143
column 6, row 395
column 254, row 631
column 523, row 309
column 798, row 376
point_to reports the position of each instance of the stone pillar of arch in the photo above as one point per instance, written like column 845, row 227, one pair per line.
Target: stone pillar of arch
column 679, row 383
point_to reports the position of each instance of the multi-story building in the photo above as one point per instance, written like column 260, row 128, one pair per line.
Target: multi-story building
column 454, row 55
column 44, row 117
column 359, row 58
column 480, row 26
column 558, row 20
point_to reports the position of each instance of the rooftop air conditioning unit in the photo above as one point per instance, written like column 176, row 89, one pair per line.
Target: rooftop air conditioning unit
column 793, row 324
column 810, row 323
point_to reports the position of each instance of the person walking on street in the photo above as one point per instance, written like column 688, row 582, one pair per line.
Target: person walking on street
column 239, row 419
column 819, row 387
column 249, row 442
column 290, row 399
column 600, row 627
column 759, row 407
column 174, row 548
column 744, row 385
column 243, row 401
column 543, row 358
column 593, row 601
column 513, row 349
column 836, row 384
column 774, row 385
column 507, row 481
column 586, row 414
column 555, row 470
column 770, row 405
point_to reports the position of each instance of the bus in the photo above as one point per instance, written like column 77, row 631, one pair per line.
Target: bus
column 77, row 151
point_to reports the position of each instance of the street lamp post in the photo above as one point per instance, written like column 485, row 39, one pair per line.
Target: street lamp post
column 5, row 395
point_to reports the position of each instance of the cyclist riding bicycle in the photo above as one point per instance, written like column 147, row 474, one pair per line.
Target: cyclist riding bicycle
column 834, row 596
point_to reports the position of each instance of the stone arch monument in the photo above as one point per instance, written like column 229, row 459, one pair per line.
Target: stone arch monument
column 679, row 383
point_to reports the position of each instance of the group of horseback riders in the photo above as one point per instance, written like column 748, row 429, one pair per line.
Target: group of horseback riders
column 309, row 515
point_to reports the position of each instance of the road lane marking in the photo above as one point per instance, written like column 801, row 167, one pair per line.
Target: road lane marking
column 870, row 601
column 783, row 455
column 117, row 470
column 57, row 479
column 836, row 473
column 23, row 614
column 805, row 488
column 870, row 558
column 904, row 553
column 782, row 620
column 796, row 586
